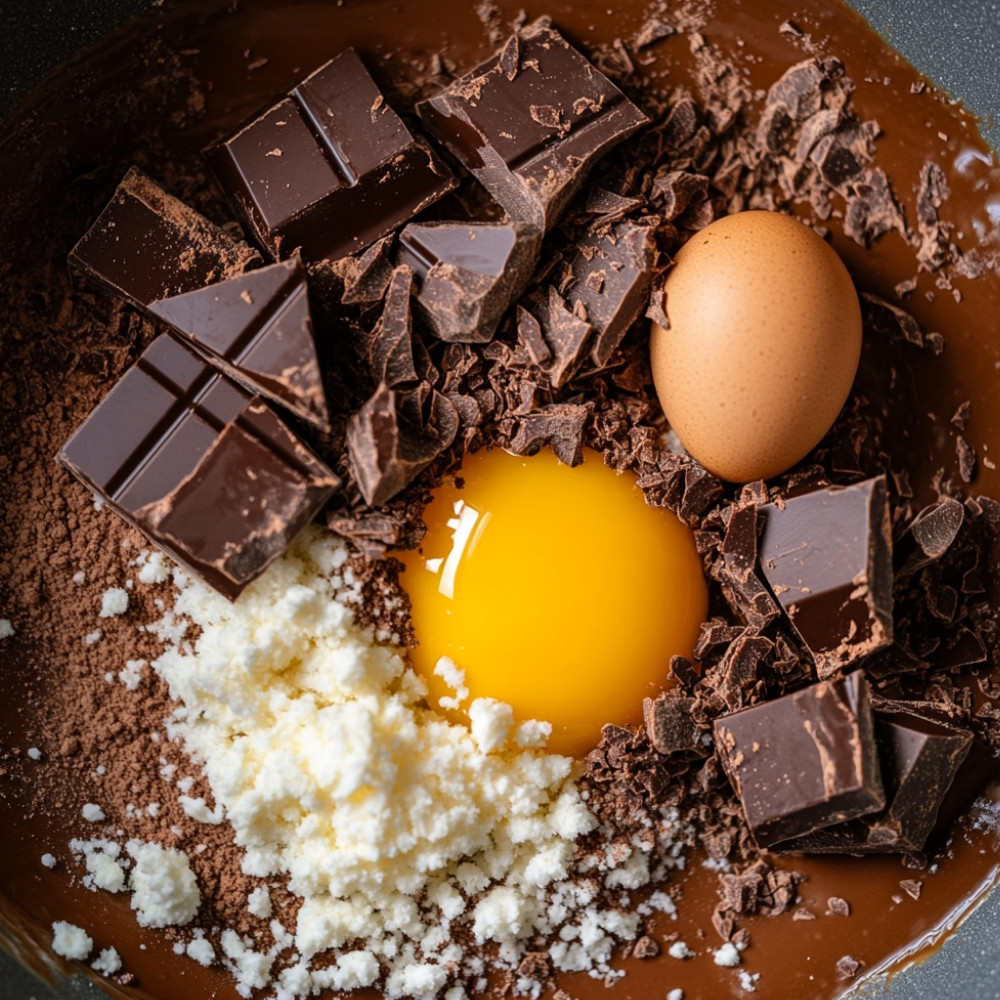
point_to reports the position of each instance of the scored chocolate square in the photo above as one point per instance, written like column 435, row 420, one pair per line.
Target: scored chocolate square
column 203, row 468
column 827, row 556
column 804, row 761
column 258, row 329
column 328, row 169
column 530, row 121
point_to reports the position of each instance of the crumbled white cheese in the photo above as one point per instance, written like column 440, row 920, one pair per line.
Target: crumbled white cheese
column 93, row 813
column 748, row 981
column 386, row 817
column 679, row 949
column 446, row 669
column 94, row 637
column 154, row 567
column 6, row 628
column 198, row 810
column 259, row 902
column 108, row 962
column 131, row 676
column 164, row 889
column 34, row 753
column 70, row 941
column 675, row 995
column 104, row 870
column 114, row 602
column 49, row 860
column 200, row 949
column 727, row 956
column 79, row 578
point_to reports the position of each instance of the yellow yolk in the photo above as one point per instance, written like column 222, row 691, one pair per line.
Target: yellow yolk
column 554, row 589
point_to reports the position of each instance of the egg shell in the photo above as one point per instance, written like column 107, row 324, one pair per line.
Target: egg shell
column 763, row 344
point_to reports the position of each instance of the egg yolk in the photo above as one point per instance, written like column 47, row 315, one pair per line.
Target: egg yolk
column 554, row 589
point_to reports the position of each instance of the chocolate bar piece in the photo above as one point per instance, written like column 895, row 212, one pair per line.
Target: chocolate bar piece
column 608, row 277
column 804, row 761
column 530, row 122
column 147, row 245
column 257, row 328
column 202, row 467
column 827, row 556
column 330, row 168
column 919, row 757
column 468, row 273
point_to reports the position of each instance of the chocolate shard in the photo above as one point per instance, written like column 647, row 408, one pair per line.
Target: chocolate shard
column 330, row 168
column 468, row 273
column 610, row 275
column 531, row 136
column 804, row 761
column 147, row 245
column 671, row 727
column 202, row 467
column 386, row 452
column 258, row 329
column 827, row 556
column 920, row 753
column 567, row 335
column 930, row 534
column 390, row 352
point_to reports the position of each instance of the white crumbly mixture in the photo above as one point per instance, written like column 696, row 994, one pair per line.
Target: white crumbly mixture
column 394, row 825
column 6, row 628
column 114, row 602
column 70, row 941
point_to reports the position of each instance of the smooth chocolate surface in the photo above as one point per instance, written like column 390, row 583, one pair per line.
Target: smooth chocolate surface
column 919, row 757
column 329, row 169
column 258, row 329
column 827, row 556
column 468, row 273
column 530, row 121
column 203, row 468
column 804, row 761
column 147, row 245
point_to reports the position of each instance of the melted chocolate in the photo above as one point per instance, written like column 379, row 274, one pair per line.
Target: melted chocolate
column 53, row 158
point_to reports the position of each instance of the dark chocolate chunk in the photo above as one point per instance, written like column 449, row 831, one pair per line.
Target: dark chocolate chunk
column 330, row 168
column 531, row 133
column 388, row 452
column 827, row 556
column 468, row 273
column 609, row 275
column 147, row 245
column 919, row 756
column 567, row 335
column 803, row 761
column 257, row 328
column 202, row 467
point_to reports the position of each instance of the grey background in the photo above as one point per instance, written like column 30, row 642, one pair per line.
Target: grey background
column 956, row 44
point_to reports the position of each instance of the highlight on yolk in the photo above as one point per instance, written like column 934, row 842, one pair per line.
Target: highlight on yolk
column 556, row 590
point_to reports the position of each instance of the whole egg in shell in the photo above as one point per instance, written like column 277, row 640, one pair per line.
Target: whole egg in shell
column 763, row 344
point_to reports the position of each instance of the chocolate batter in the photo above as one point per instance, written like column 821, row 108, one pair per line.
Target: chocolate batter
column 154, row 96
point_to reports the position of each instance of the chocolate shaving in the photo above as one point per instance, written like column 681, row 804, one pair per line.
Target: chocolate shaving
column 385, row 455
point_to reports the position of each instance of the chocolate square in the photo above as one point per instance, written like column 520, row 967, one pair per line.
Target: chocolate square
column 804, row 761
column 329, row 169
column 827, row 556
column 530, row 121
column 203, row 468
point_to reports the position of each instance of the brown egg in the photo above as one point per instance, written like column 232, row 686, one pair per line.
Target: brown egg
column 763, row 344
